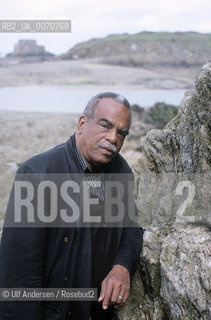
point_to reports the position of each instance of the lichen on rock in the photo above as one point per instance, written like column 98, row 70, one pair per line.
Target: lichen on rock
column 173, row 198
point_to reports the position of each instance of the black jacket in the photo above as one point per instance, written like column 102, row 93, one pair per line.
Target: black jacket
column 56, row 257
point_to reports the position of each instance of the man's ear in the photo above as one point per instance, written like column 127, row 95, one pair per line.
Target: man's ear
column 81, row 122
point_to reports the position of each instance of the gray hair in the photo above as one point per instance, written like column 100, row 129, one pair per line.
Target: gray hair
column 90, row 108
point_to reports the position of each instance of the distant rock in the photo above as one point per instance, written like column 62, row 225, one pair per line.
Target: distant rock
column 173, row 198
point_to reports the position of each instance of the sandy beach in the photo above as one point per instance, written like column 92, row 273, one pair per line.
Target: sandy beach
column 72, row 72
column 22, row 136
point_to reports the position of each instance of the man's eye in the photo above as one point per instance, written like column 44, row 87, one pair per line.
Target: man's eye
column 104, row 125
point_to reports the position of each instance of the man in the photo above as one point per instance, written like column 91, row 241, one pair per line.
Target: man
column 103, row 258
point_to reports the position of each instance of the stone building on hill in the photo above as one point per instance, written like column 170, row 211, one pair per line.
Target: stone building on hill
column 28, row 48
column 28, row 51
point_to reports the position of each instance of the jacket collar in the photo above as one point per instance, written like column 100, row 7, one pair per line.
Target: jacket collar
column 76, row 158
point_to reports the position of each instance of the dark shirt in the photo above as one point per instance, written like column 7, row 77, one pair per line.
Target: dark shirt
column 103, row 239
column 90, row 177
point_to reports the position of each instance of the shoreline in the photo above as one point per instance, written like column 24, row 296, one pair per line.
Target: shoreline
column 72, row 99
column 78, row 72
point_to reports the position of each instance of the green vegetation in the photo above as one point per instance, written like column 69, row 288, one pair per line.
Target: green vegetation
column 161, row 113
column 158, row 115
column 160, row 36
column 187, row 37
column 75, row 83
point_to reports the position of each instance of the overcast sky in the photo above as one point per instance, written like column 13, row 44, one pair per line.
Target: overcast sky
column 98, row 18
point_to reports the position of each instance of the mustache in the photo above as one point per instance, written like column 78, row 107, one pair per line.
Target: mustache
column 108, row 146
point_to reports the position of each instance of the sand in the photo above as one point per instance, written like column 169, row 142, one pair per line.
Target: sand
column 84, row 72
column 22, row 136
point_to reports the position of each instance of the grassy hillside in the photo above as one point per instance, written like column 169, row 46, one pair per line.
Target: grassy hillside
column 178, row 49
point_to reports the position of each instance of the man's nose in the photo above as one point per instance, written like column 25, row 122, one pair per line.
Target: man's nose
column 112, row 136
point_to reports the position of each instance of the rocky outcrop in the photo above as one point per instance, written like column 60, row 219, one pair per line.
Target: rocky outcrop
column 146, row 49
column 173, row 198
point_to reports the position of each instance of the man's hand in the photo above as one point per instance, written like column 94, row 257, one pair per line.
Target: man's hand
column 115, row 287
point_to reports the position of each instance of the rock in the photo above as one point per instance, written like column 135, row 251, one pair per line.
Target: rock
column 185, row 270
column 172, row 192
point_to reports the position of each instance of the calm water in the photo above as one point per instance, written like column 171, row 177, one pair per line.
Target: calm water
column 73, row 98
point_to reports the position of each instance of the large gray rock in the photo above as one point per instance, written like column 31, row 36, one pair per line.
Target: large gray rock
column 185, row 268
column 173, row 197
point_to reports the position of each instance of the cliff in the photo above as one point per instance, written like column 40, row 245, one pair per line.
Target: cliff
column 173, row 197
column 146, row 49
